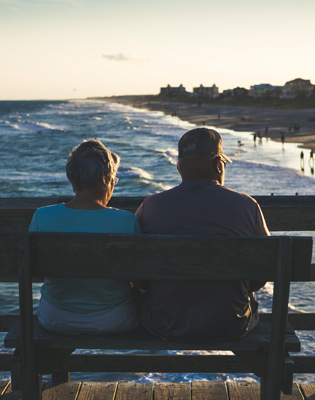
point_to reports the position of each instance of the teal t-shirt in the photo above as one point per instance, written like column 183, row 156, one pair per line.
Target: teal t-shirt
column 84, row 295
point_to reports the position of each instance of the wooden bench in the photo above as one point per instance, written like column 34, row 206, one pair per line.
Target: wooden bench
column 282, row 213
column 277, row 259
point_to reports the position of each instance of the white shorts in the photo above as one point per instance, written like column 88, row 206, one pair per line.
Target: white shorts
column 118, row 319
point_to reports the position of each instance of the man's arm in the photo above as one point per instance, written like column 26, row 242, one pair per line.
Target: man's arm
column 261, row 229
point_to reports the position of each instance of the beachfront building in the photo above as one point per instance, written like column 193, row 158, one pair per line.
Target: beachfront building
column 172, row 91
column 236, row 92
column 264, row 89
column 227, row 93
column 298, row 86
column 206, row 91
column 240, row 92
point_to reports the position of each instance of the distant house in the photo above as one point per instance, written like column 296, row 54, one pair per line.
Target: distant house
column 261, row 90
column 173, row 91
column 240, row 92
column 227, row 93
column 206, row 91
column 277, row 91
column 298, row 86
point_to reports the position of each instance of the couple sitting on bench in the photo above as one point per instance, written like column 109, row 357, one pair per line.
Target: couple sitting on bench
column 200, row 205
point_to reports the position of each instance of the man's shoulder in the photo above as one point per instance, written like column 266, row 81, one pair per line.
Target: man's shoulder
column 162, row 195
column 226, row 191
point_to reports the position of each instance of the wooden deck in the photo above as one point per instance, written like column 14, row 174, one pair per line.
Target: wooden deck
column 203, row 390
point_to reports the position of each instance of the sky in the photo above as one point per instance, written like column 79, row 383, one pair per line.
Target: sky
column 61, row 49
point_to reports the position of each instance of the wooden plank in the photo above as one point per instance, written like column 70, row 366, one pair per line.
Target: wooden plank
column 308, row 391
column 30, row 382
column 212, row 363
column 206, row 390
column 9, row 395
column 64, row 391
column 299, row 321
column 279, row 320
column 251, row 391
column 4, row 385
column 97, row 391
column 296, row 394
column 153, row 363
column 244, row 391
column 15, row 223
column 134, row 391
column 5, row 361
column 258, row 339
column 7, row 320
column 292, row 213
column 304, row 364
column 8, row 257
column 172, row 391
column 189, row 250
column 301, row 258
column 250, row 258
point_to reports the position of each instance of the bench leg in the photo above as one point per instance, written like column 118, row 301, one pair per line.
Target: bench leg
column 262, row 388
column 15, row 363
column 288, row 370
column 256, row 360
column 16, row 379
column 58, row 377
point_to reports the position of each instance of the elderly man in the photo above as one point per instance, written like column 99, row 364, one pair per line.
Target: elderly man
column 201, row 205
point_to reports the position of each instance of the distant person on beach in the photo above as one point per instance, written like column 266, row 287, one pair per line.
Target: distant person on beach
column 311, row 162
column 282, row 139
column 302, row 160
column 87, row 306
column 201, row 205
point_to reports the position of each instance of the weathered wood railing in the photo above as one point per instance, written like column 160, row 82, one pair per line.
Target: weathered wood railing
column 282, row 213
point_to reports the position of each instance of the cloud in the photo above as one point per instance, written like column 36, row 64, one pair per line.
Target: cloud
column 120, row 57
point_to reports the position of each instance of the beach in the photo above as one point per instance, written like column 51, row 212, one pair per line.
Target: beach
column 245, row 119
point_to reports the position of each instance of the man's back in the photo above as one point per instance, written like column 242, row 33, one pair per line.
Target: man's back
column 200, row 310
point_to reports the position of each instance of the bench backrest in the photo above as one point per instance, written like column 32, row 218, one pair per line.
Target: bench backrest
column 151, row 256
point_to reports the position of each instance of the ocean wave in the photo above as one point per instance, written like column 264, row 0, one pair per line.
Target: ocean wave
column 170, row 154
column 8, row 124
column 132, row 172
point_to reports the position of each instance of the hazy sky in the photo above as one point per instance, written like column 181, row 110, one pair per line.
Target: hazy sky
column 58, row 49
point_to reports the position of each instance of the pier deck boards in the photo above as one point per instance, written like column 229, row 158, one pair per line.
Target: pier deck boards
column 195, row 390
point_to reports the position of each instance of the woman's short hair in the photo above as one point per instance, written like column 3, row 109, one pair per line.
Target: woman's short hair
column 88, row 161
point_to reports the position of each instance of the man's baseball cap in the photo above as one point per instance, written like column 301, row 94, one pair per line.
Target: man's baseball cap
column 201, row 141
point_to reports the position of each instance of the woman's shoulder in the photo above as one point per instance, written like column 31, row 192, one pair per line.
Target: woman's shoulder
column 120, row 213
column 51, row 209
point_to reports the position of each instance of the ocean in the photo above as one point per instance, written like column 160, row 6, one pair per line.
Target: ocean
column 37, row 136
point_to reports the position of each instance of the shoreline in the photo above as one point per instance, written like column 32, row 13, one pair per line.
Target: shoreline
column 237, row 118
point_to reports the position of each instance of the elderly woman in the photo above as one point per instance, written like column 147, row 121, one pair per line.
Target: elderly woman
column 93, row 306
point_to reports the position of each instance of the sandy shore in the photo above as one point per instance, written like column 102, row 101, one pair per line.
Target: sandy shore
column 252, row 120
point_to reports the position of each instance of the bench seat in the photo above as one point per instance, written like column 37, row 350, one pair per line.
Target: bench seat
column 257, row 340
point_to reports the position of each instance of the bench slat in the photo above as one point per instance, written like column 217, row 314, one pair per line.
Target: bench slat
column 299, row 321
column 169, row 257
column 206, row 363
column 257, row 340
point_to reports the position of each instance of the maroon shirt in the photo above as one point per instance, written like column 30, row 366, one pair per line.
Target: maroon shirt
column 200, row 310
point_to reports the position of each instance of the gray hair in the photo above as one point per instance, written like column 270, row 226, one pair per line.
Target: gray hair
column 88, row 161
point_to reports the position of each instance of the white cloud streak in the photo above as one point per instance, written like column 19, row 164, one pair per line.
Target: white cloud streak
column 121, row 57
